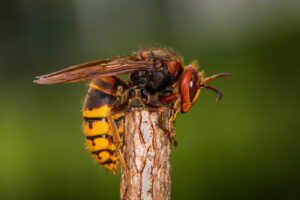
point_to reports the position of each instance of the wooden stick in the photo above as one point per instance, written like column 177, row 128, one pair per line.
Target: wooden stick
column 147, row 151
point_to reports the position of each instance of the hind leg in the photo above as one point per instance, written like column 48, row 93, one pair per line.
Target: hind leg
column 116, row 137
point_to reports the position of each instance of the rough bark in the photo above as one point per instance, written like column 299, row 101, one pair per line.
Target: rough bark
column 147, row 151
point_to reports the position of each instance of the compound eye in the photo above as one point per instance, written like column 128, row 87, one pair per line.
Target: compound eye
column 189, row 88
column 193, row 86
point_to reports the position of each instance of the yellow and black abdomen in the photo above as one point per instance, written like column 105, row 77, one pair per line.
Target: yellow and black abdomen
column 101, row 98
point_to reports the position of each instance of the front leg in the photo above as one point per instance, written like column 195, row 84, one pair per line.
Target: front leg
column 175, row 101
column 162, row 115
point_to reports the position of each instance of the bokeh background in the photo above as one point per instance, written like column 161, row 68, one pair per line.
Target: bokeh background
column 244, row 147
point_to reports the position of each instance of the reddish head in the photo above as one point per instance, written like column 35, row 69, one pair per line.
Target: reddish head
column 190, row 86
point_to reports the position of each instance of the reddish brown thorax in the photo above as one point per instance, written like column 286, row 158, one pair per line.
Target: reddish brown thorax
column 173, row 68
column 156, row 53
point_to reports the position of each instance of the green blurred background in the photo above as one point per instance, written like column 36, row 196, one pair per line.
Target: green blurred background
column 244, row 147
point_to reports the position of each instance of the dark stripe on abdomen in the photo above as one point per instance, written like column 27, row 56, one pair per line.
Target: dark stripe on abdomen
column 109, row 161
column 119, row 119
column 96, row 98
column 111, row 88
column 90, row 120
column 92, row 138
column 98, row 136
column 99, row 151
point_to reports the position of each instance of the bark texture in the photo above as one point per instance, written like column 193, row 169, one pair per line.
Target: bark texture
column 147, row 151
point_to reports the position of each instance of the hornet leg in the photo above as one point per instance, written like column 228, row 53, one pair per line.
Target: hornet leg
column 115, row 133
column 175, row 100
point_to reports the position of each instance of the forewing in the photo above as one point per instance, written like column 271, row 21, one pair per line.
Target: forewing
column 95, row 69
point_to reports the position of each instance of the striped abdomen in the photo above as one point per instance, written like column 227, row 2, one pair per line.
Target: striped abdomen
column 101, row 98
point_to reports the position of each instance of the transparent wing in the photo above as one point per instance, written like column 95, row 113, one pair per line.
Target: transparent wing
column 95, row 69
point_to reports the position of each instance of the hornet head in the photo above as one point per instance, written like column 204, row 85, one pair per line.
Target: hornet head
column 191, row 83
